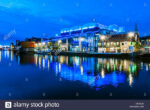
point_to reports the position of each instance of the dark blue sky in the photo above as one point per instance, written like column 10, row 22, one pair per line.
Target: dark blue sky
column 26, row 18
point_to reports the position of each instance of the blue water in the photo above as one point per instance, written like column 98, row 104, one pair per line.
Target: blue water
column 33, row 76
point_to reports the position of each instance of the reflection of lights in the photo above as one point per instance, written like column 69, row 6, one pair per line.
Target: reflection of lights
column 130, row 79
column 39, row 62
column 12, row 55
column 0, row 56
column 48, row 64
column 7, row 54
column 77, row 60
column 36, row 60
column 103, row 73
column 120, row 67
column 61, row 59
column 141, row 65
column 125, row 64
column 43, row 63
column 146, row 67
column 81, row 68
column 18, row 59
column 59, row 67
column 74, row 74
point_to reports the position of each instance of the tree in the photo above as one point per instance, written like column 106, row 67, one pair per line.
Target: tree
column 49, row 44
column 56, row 46
column 138, row 46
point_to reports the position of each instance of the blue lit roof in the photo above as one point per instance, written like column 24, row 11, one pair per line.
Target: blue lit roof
column 77, row 28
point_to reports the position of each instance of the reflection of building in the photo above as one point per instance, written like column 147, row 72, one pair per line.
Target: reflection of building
column 27, row 59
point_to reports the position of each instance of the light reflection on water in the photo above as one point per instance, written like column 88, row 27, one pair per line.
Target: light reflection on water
column 97, row 73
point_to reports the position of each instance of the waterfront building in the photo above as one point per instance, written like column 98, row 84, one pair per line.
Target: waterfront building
column 145, row 41
column 91, row 37
column 119, row 42
column 35, row 44
column 28, row 46
column 83, row 38
column 94, row 37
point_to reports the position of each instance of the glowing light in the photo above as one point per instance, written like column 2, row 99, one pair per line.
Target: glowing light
column 36, row 45
column 43, row 43
column 102, row 37
column 131, row 34
column 84, row 27
column 103, row 73
column 81, row 39
column 130, row 79
column 91, row 26
column 81, row 68
column 59, row 41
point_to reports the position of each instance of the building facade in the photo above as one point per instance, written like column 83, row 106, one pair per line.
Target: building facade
column 94, row 37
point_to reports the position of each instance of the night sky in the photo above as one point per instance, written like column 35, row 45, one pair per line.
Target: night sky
column 44, row 18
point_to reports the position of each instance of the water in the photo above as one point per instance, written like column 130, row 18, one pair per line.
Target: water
column 33, row 76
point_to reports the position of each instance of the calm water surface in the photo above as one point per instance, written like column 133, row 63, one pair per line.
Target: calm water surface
column 33, row 76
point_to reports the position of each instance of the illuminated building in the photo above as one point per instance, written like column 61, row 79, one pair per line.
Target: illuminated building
column 27, row 46
column 146, row 43
column 94, row 37
column 119, row 42
column 82, row 38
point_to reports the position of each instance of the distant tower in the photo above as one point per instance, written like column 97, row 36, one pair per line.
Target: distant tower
column 136, row 28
